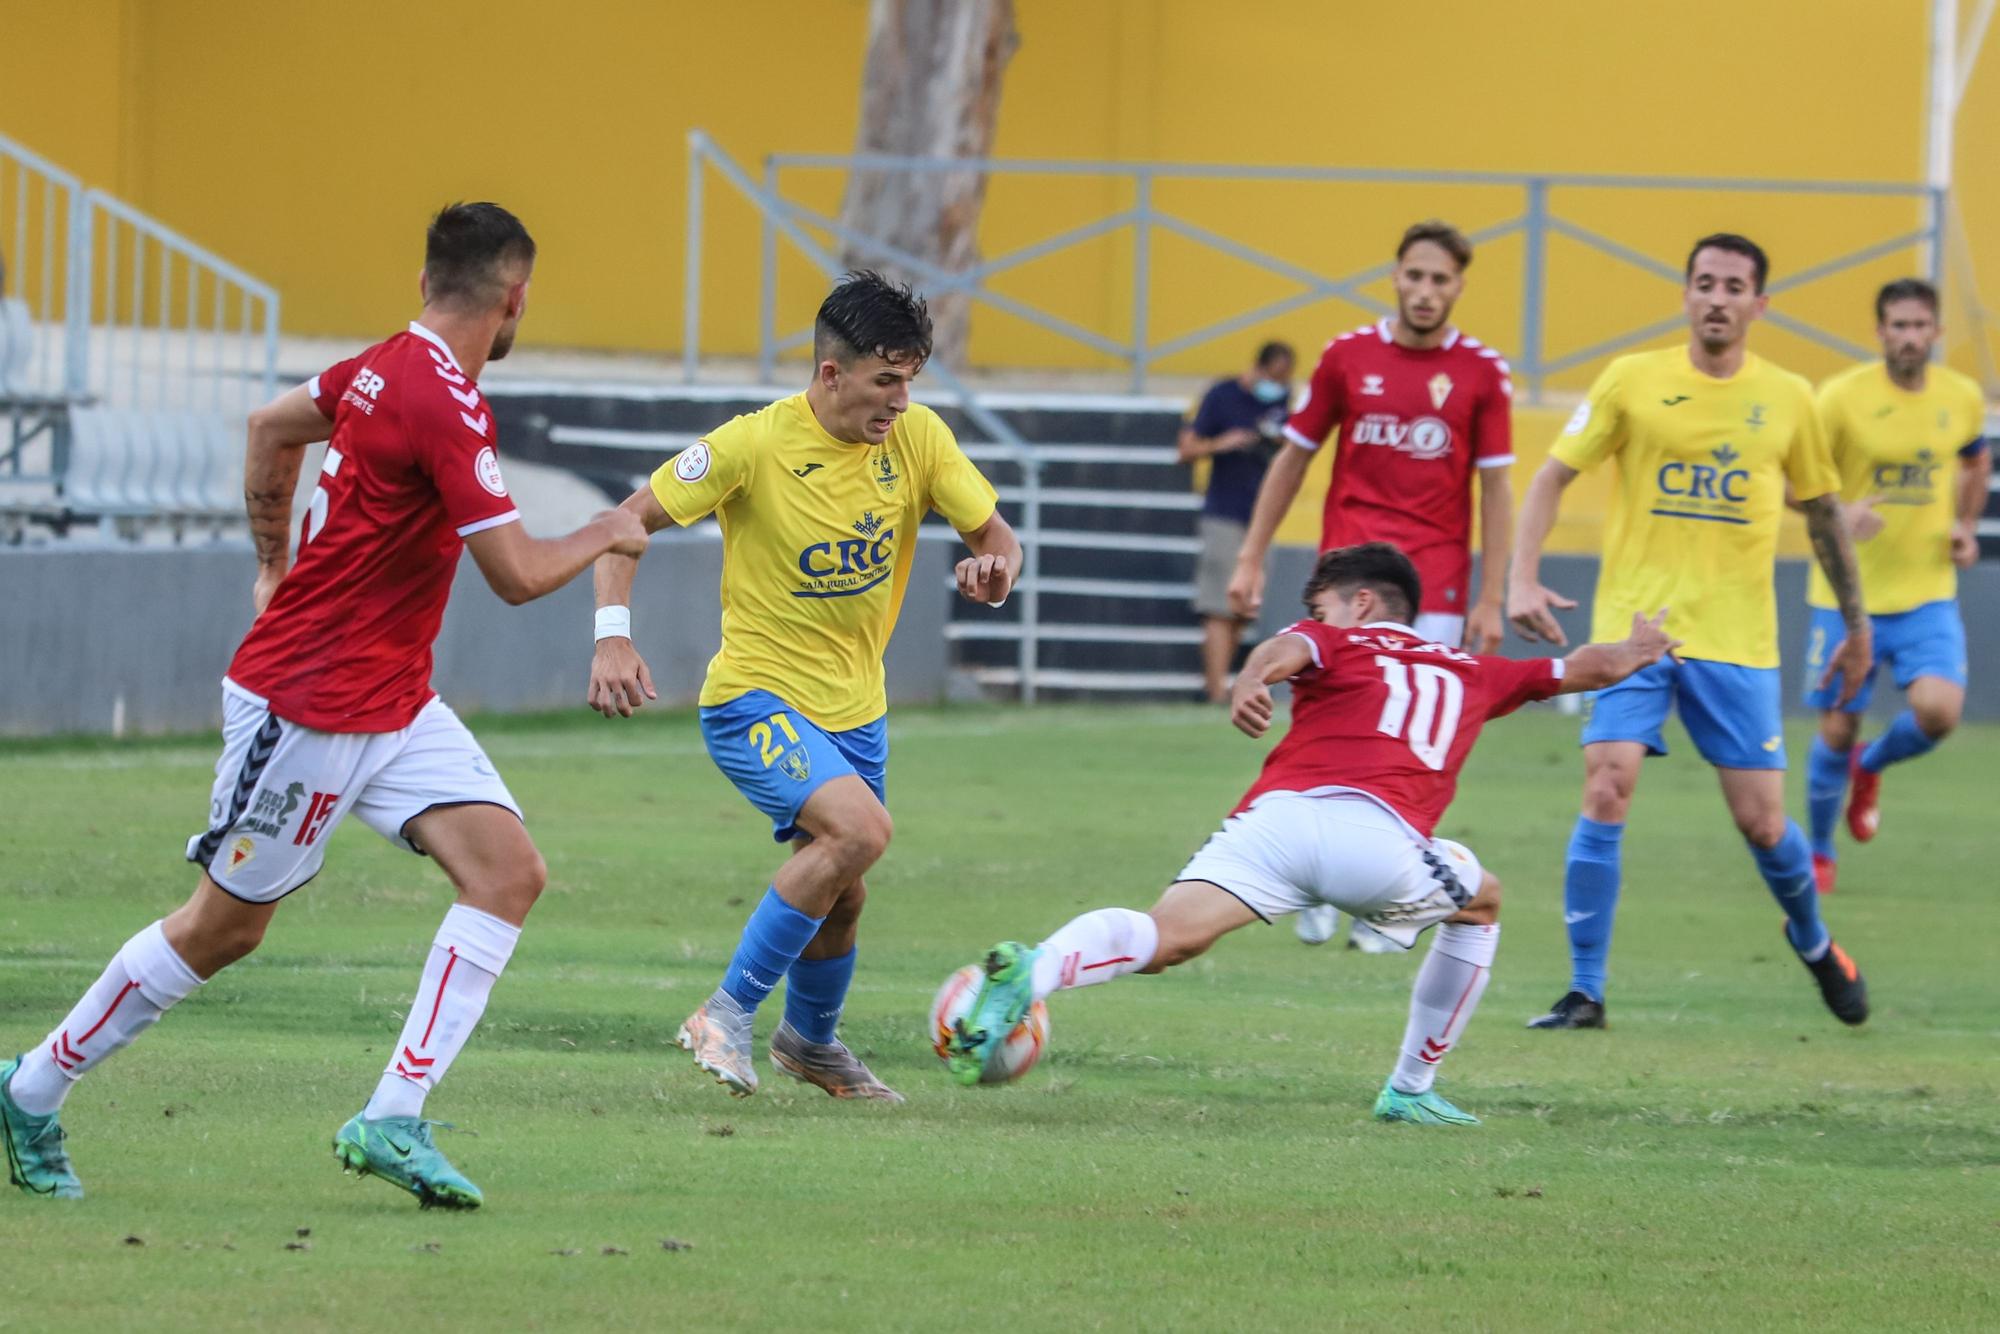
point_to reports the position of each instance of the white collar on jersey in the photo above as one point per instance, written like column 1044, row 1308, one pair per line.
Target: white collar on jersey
column 1382, row 331
column 439, row 343
column 1392, row 625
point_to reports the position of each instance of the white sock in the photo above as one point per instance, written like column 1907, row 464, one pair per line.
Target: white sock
column 1445, row 994
column 143, row 981
column 1096, row 947
column 466, row 959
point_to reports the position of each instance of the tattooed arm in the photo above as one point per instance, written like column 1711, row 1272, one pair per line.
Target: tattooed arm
column 1851, row 660
column 279, row 434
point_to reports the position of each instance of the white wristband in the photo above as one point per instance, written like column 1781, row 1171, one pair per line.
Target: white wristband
column 614, row 622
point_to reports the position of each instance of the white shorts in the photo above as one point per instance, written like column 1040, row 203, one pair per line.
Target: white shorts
column 281, row 789
column 1291, row 851
column 1440, row 627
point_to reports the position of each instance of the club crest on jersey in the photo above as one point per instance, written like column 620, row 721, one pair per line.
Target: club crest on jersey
column 886, row 475
column 487, row 469
column 691, row 464
column 797, row 765
column 1755, row 421
column 1440, row 387
column 241, row 851
column 845, row 566
column 1371, row 385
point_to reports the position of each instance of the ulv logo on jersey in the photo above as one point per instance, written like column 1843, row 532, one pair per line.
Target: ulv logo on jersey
column 1424, row 438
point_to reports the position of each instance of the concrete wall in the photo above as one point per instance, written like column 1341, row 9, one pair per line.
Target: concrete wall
column 137, row 641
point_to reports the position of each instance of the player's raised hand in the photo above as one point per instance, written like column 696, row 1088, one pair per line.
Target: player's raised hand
column 1484, row 628
column 628, row 532
column 1529, row 607
column 619, row 679
column 1250, row 706
column 1850, row 661
column 1649, row 638
column 986, row 579
column 1863, row 520
column 1246, row 590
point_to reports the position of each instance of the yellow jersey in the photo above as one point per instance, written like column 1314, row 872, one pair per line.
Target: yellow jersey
column 818, row 537
column 1902, row 448
column 1702, row 466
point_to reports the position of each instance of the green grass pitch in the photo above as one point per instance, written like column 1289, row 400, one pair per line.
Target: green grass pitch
column 1194, row 1152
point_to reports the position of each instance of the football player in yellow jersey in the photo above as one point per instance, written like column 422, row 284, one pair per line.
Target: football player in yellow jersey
column 1706, row 438
column 1906, row 436
column 819, row 497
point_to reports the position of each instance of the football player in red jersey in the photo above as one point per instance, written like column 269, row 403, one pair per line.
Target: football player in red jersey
column 328, row 709
column 1420, row 408
column 1342, row 813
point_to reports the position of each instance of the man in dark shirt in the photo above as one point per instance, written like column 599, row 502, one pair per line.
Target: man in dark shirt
column 1237, row 427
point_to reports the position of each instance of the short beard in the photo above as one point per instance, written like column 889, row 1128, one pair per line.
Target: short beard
column 503, row 343
column 1408, row 322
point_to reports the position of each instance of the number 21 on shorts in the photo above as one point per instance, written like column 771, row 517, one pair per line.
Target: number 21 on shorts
column 1430, row 725
column 766, row 744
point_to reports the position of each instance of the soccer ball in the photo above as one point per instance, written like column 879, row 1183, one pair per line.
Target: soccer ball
column 1022, row 1047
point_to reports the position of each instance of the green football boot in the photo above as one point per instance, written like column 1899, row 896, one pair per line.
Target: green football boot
column 1420, row 1109
column 399, row 1150
column 1004, row 997
column 36, row 1160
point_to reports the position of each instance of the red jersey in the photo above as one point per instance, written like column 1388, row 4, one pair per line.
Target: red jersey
column 1413, row 424
column 1384, row 714
column 410, row 472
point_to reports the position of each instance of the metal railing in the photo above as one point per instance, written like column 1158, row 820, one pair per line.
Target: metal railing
column 119, row 314
column 1138, row 348
column 41, row 210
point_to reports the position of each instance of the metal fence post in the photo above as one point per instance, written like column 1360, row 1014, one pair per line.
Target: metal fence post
column 1142, row 275
column 1534, row 263
column 691, row 293
column 1031, row 573
column 767, row 296
column 1940, row 201
column 78, row 297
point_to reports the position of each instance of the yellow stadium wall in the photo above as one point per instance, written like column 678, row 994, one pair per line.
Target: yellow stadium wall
column 308, row 144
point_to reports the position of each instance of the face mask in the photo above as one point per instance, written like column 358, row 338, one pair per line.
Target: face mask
column 1269, row 391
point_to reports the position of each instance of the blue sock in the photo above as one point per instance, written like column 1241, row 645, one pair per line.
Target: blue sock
column 1826, row 786
column 1787, row 869
column 1590, row 898
column 815, row 990
column 772, row 941
column 1903, row 741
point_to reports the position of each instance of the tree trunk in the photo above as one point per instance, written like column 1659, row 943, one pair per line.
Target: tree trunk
column 931, row 88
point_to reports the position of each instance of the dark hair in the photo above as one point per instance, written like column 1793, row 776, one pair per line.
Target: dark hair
column 1735, row 245
column 469, row 250
column 1376, row 566
column 867, row 315
column 1905, row 289
column 1273, row 351
column 1438, row 233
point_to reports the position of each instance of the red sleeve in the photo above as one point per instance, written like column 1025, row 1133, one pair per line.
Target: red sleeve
column 1512, row 682
column 1323, row 405
column 1321, row 638
column 327, row 387
column 453, row 443
column 1493, row 421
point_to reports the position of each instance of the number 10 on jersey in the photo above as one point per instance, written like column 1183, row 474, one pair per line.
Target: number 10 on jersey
column 1437, row 696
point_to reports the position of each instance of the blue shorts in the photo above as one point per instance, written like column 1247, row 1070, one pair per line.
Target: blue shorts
column 1923, row 641
column 777, row 757
column 1732, row 713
